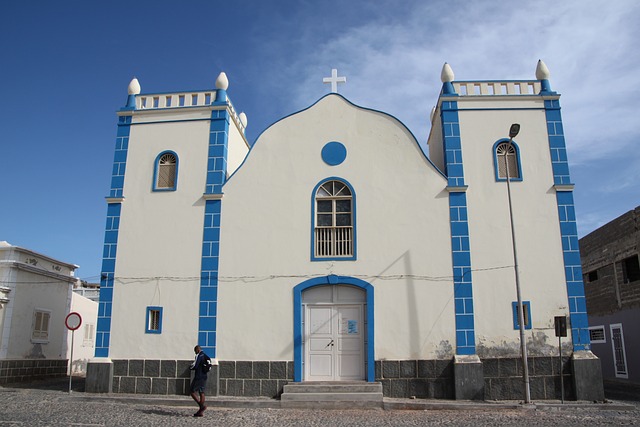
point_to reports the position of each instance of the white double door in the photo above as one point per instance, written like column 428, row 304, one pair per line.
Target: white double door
column 334, row 342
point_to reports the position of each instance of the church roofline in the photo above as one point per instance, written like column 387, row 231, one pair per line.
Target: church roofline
column 415, row 140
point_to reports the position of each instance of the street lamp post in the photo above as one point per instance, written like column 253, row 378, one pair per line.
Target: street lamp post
column 513, row 131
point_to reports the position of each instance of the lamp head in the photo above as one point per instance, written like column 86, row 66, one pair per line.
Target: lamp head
column 513, row 130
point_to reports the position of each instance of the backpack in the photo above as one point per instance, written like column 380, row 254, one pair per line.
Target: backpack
column 206, row 363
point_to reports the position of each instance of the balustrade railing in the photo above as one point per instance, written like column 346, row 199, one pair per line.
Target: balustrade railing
column 475, row 88
column 334, row 242
column 155, row 101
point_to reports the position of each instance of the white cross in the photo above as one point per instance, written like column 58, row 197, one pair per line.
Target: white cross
column 334, row 80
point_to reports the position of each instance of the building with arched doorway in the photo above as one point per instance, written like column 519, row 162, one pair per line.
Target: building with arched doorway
column 335, row 249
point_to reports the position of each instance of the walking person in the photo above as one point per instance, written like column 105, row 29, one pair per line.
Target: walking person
column 201, row 365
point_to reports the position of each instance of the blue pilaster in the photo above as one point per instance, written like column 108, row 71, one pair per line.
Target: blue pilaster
column 103, row 327
column 461, row 254
column 557, row 145
column 568, row 228
column 216, row 176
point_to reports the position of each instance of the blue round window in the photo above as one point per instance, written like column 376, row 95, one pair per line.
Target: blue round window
column 334, row 153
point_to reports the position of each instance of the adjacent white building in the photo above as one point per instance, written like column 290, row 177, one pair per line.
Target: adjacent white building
column 333, row 248
column 35, row 298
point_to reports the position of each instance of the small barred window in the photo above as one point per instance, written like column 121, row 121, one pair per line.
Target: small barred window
column 166, row 171
column 507, row 160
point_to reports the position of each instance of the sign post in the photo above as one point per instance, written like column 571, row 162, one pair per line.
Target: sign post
column 72, row 322
column 560, row 323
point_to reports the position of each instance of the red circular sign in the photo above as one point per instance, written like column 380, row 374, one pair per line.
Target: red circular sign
column 73, row 321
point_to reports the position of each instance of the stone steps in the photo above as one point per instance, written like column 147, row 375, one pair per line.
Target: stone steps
column 332, row 395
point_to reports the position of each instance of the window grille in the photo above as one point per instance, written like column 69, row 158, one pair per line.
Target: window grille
column 506, row 155
column 166, row 171
column 40, row 326
column 334, row 221
column 619, row 352
column 154, row 320
column 596, row 335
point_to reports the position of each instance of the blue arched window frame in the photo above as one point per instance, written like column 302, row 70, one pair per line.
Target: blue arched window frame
column 156, row 167
column 354, row 239
column 495, row 160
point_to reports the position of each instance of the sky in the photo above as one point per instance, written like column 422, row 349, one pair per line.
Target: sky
column 65, row 67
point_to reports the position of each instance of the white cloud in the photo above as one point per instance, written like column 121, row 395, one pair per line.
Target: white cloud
column 394, row 65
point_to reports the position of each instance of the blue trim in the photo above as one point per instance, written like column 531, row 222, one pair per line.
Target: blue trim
column 131, row 103
column 514, row 312
column 557, row 144
column 568, row 229
column 112, row 228
column 334, row 153
column 120, row 156
column 298, row 329
column 545, row 88
column 353, row 219
column 573, row 272
column 216, row 175
column 495, row 160
column 494, row 81
column 448, row 89
column 147, row 330
column 221, row 96
column 458, row 217
column 156, row 163
column 500, row 109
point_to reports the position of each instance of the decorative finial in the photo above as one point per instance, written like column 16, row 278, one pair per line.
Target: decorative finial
column 222, row 82
column 243, row 119
column 446, row 76
column 134, row 87
column 542, row 72
column 133, row 90
column 334, row 80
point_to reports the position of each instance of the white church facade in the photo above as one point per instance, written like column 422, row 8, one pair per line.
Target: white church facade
column 334, row 249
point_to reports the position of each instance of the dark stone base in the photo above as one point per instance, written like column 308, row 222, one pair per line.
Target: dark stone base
column 431, row 379
column 248, row 378
column 25, row 370
column 468, row 377
column 587, row 376
column 99, row 376
column 229, row 378
column 150, row 376
column 491, row 379
column 503, row 379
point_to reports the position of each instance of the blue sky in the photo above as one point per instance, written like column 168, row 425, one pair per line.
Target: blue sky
column 65, row 67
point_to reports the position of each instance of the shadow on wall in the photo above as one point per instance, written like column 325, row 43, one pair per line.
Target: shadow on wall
column 445, row 349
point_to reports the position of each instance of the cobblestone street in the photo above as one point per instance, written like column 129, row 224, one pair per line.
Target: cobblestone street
column 50, row 406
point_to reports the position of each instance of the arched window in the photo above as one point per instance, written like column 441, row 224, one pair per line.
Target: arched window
column 507, row 158
column 334, row 231
column 166, row 172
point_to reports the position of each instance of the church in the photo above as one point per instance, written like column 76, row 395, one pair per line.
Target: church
column 334, row 249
